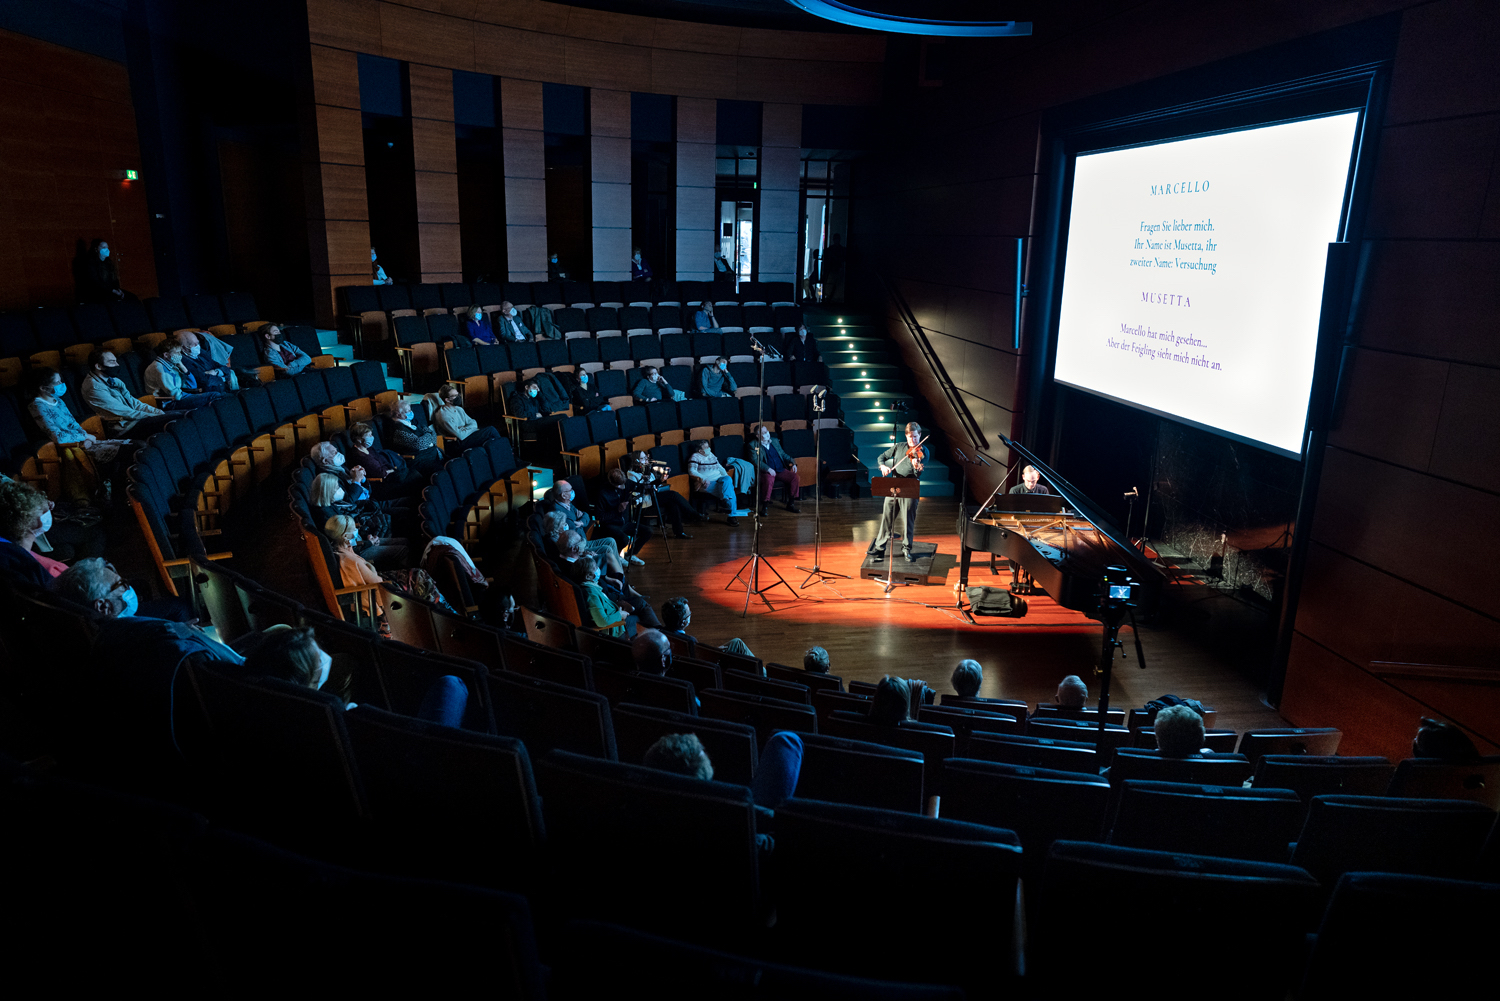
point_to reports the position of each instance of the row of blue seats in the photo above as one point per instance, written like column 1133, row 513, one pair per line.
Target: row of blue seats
column 355, row 300
column 52, row 328
column 605, row 321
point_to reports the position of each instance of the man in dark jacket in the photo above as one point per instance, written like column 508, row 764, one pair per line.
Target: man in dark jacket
column 772, row 463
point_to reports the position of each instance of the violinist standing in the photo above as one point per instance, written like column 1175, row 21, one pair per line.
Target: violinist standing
column 907, row 458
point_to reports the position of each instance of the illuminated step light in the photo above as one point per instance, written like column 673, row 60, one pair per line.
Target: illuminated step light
column 863, row 373
column 867, row 385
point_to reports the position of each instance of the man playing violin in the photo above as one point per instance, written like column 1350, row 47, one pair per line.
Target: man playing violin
column 903, row 459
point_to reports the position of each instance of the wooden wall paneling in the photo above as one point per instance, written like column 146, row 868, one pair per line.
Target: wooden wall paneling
column 607, row 65
column 1403, row 314
column 1432, row 178
column 1371, row 425
column 337, row 203
column 780, row 184
column 693, row 74
column 1467, row 444
column 1444, row 62
column 1368, row 614
column 609, row 163
column 1324, row 689
column 697, row 212
column 345, row 24
column 1385, row 516
column 524, row 55
column 67, row 123
column 435, row 152
column 525, row 179
column 428, row 37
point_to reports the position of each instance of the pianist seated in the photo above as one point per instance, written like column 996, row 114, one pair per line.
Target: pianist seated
column 1031, row 483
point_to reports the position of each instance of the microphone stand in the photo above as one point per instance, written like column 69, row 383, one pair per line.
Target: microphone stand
column 819, row 406
column 753, row 564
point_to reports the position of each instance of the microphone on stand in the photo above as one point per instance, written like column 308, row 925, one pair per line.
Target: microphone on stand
column 960, row 453
column 980, row 456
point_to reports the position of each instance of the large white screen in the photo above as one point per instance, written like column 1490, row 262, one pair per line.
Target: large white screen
column 1194, row 275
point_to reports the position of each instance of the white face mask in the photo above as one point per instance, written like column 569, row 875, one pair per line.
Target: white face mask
column 46, row 525
column 338, row 458
column 372, row 257
column 338, row 495
column 195, row 351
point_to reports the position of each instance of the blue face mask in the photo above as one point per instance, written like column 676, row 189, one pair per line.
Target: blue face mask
column 103, row 253
column 132, row 603
column 59, row 389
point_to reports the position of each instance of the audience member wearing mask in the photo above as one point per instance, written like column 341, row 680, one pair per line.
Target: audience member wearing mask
column 654, row 386
column 709, row 476
column 704, row 320
column 355, row 480
column 355, row 569
column 396, row 479
column 571, row 553
column 525, row 402
column 640, row 271
column 281, row 354
column 509, row 327
column 561, row 499
column 58, row 423
column 408, row 439
column 291, row 654
column 374, row 543
column 25, row 513
column 799, row 346
column 379, row 275
column 772, row 464
column 602, row 610
column 98, row 276
column 715, row 380
column 555, row 272
column 453, row 421
column 168, row 379
column 208, row 359
column 586, row 396
column 135, row 663
column 477, row 327
column 123, row 415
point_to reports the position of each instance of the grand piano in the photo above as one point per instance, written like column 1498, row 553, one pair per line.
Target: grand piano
column 1064, row 543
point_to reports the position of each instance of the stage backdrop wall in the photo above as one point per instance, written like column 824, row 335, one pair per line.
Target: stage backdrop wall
column 67, row 125
column 1408, row 519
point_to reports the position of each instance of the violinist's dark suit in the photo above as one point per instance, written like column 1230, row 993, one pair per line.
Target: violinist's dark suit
column 899, row 463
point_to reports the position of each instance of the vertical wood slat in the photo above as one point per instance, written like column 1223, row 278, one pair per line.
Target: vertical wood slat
column 338, row 215
column 609, row 127
column 780, row 181
column 697, row 210
column 525, row 179
column 436, row 155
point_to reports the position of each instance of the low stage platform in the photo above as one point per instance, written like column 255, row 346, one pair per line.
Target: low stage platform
column 919, row 571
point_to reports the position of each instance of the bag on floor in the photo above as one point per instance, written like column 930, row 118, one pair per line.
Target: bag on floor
column 995, row 601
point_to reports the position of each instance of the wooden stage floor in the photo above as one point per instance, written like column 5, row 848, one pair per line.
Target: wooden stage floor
column 916, row 631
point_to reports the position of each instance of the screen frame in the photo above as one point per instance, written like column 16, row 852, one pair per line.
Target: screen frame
column 1110, row 122
column 1360, row 110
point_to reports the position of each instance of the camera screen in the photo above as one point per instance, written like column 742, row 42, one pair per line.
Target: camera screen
column 1120, row 591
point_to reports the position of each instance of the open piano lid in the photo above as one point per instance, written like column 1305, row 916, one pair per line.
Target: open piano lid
column 1121, row 552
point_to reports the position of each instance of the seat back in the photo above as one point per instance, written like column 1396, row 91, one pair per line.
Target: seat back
column 408, row 673
column 1211, row 914
column 934, row 741
column 1320, row 741
column 1227, row 821
column 840, row 915
column 764, row 713
column 448, row 804
column 1035, row 752
column 665, row 852
column 731, row 747
column 1381, row 931
column 839, row 770
column 645, row 690
column 1427, row 778
column 1208, row 769
column 1421, row 837
column 1041, row 805
column 736, row 680
column 1316, row 775
column 281, row 755
column 600, row 960
column 964, row 721
column 537, row 660
column 546, row 716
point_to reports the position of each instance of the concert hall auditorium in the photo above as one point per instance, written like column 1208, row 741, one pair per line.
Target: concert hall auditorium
column 905, row 500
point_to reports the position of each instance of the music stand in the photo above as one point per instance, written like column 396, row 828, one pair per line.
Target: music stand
column 904, row 487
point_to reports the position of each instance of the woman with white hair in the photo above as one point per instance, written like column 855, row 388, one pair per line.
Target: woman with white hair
column 561, row 499
column 373, row 543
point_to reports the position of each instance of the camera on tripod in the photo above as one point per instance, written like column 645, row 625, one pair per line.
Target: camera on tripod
column 1117, row 590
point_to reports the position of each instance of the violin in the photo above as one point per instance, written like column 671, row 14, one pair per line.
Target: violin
column 914, row 453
